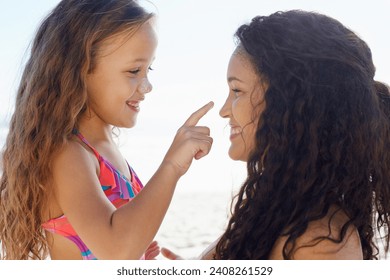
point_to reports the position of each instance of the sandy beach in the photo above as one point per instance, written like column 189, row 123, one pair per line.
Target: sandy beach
column 193, row 221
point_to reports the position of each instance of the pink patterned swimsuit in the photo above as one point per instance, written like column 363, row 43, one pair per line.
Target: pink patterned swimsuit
column 118, row 189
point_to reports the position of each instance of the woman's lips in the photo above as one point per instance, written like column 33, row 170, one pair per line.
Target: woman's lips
column 235, row 131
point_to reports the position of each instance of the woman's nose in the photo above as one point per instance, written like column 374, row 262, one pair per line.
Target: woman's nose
column 225, row 110
column 145, row 86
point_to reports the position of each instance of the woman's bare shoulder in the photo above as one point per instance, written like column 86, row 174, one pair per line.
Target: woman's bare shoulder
column 320, row 240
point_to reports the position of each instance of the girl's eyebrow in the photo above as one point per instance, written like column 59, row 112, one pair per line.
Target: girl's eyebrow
column 139, row 60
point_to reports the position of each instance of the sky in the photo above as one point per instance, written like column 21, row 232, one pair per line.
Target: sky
column 195, row 44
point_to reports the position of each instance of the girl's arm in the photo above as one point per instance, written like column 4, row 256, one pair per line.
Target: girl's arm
column 126, row 232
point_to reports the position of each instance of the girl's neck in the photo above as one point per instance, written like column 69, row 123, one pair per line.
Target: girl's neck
column 95, row 130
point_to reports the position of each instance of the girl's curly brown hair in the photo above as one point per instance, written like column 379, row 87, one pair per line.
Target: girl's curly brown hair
column 321, row 141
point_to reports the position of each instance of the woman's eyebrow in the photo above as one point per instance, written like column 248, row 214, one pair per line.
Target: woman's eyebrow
column 233, row 78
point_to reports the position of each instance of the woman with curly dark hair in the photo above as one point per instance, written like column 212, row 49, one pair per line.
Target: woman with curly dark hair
column 307, row 117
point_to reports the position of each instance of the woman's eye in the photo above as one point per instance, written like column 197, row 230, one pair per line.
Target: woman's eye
column 150, row 68
column 236, row 92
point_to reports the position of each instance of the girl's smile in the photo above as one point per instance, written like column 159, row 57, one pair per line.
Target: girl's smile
column 134, row 105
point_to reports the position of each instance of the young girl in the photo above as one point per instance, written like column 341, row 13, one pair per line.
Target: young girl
column 65, row 188
column 310, row 121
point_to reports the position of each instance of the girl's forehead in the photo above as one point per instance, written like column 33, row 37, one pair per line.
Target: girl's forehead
column 136, row 39
column 114, row 41
column 126, row 50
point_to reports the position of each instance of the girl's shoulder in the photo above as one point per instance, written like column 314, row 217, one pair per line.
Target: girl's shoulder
column 322, row 240
column 71, row 166
column 73, row 153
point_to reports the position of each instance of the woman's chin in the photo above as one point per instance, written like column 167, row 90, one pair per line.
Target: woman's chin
column 236, row 156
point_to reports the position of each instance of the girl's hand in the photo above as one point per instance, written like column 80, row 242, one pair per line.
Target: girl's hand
column 190, row 142
column 153, row 251
column 170, row 255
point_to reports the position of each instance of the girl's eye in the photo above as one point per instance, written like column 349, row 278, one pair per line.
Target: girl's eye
column 134, row 71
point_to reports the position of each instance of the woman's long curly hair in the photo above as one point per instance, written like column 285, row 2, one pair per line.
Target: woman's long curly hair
column 50, row 100
column 321, row 141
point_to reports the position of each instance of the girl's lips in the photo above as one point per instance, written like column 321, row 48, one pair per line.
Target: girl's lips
column 134, row 105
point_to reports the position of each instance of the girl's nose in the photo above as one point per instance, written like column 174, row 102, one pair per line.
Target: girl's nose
column 145, row 86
